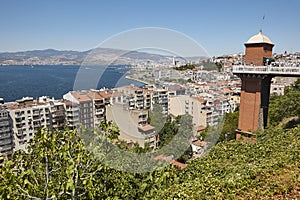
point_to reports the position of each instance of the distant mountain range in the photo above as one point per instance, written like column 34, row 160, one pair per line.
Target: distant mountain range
column 95, row 56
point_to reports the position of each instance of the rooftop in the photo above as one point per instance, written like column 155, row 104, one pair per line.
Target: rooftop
column 94, row 95
column 81, row 97
column 259, row 38
column 146, row 128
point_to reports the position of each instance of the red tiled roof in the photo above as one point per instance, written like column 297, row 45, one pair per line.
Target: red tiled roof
column 81, row 97
column 173, row 162
column 105, row 94
column 178, row 164
column 199, row 143
column 200, row 128
column 94, row 95
column 146, row 128
column 201, row 100
column 69, row 103
column 226, row 90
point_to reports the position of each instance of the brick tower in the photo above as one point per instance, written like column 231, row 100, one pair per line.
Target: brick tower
column 255, row 89
column 258, row 47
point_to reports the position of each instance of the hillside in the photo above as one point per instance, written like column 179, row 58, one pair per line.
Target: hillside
column 235, row 170
column 269, row 169
column 95, row 56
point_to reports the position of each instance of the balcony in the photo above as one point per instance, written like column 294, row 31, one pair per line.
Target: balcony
column 36, row 112
column 58, row 114
column 5, row 123
column 99, row 111
column 5, row 136
column 99, row 102
column 72, row 114
column 6, row 148
column 72, row 109
column 268, row 70
column 4, row 130
column 73, row 119
column 143, row 119
column 5, row 142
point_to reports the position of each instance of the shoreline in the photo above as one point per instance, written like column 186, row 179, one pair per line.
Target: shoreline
column 138, row 80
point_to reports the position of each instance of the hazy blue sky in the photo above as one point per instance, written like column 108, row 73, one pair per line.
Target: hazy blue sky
column 221, row 27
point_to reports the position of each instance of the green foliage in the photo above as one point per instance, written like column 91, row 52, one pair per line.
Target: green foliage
column 219, row 66
column 236, row 170
column 185, row 67
column 224, row 131
column 156, row 118
column 286, row 106
column 229, row 127
column 209, row 66
column 58, row 166
column 168, row 131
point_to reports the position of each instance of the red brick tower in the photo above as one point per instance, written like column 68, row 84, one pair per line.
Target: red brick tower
column 258, row 47
column 255, row 89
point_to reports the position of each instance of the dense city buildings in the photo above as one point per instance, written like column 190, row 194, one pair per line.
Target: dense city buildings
column 206, row 95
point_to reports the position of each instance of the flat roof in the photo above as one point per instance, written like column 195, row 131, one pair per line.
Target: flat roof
column 146, row 128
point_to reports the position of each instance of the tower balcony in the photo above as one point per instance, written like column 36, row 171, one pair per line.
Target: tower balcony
column 289, row 71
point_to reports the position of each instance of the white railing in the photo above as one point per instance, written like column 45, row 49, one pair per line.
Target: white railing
column 266, row 70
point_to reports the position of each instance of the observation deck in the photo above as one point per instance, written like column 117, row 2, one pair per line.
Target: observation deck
column 287, row 71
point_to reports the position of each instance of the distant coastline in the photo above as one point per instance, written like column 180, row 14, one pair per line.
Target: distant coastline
column 138, row 80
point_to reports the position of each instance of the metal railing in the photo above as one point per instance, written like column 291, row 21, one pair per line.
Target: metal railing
column 266, row 69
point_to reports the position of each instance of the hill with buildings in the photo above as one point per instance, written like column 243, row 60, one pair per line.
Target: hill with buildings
column 93, row 56
column 266, row 169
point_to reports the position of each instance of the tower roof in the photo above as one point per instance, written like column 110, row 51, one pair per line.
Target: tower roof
column 259, row 38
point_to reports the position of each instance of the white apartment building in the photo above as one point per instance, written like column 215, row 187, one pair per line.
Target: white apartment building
column 277, row 88
column 86, row 107
column 133, row 125
column 98, row 106
column 27, row 117
column 224, row 106
column 6, row 134
column 194, row 106
column 145, row 98
column 72, row 115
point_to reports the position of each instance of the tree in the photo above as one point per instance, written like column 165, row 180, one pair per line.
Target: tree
column 156, row 118
column 286, row 106
column 219, row 66
column 55, row 166
column 230, row 126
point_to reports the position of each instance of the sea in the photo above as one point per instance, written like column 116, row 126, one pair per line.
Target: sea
column 55, row 81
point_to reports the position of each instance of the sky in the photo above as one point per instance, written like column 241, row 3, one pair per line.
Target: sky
column 220, row 27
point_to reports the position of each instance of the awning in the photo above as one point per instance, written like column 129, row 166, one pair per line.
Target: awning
column 268, row 59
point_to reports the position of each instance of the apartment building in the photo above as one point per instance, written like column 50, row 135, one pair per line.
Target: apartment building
column 6, row 134
column 224, row 106
column 160, row 96
column 98, row 106
column 194, row 106
column 27, row 117
column 86, row 108
column 133, row 125
column 277, row 88
column 145, row 98
column 58, row 114
column 72, row 115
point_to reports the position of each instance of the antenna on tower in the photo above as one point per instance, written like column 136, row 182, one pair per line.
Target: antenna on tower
column 262, row 22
